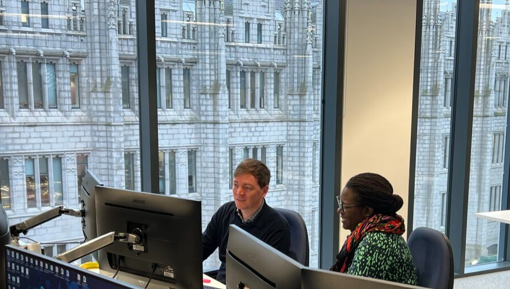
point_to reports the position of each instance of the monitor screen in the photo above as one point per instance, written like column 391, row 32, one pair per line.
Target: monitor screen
column 170, row 247
column 26, row 269
column 256, row 264
column 88, row 205
column 315, row 278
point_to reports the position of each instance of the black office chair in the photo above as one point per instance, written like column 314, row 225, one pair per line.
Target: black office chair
column 299, row 248
column 432, row 257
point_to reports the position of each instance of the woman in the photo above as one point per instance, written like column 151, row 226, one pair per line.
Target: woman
column 375, row 247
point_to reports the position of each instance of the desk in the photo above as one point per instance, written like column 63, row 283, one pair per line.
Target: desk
column 498, row 216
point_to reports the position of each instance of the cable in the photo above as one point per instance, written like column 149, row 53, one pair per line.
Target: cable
column 119, row 258
column 153, row 270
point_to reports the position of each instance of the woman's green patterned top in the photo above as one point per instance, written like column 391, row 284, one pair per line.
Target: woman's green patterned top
column 384, row 256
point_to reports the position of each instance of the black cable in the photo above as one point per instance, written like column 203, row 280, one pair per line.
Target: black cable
column 150, row 279
column 118, row 266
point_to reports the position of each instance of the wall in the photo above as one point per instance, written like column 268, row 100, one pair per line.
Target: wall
column 378, row 92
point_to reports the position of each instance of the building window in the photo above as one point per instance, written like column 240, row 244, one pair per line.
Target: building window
column 263, row 154
column 262, row 88
column 228, row 89
column 21, row 68
column 58, row 189
column 129, row 172
column 443, row 209
column 192, row 171
column 158, row 87
column 61, row 248
column 498, row 149
column 82, row 163
column 252, row 89
column 246, row 153
column 51, row 85
column 279, row 165
column 242, row 82
column 164, row 25
column 276, row 89
column 30, row 183
column 44, row 15
column 168, row 87
column 161, row 160
column 450, row 48
column 25, row 14
column 230, row 167
column 227, row 34
column 48, row 251
column 2, row 105
column 44, row 182
column 495, row 198
column 5, row 185
column 187, row 88
column 74, row 77
column 125, row 87
column 447, row 91
column 1, row 18
column 172, row 173
column 255, row 153
column 247, row 32
column 500, row 91
column 446, row 151
column 259, row 33
column 37, row 83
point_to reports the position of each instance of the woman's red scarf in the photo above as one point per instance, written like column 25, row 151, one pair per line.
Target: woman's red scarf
column 376, row 223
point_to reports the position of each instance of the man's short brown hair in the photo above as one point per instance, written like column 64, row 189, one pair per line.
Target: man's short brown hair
column 255, row 168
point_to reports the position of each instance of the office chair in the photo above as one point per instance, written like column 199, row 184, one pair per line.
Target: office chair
column 299, row 248
column 432, row 257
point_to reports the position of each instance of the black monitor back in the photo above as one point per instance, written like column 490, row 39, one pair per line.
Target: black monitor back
column 258, row 265
column 171, row 235
column 5, row 239
column 88, row 203
column 315, row 278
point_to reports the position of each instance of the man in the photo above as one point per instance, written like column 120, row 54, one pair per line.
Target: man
column 249, row 211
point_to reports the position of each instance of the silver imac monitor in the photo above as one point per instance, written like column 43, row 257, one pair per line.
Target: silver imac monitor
column 170, row 233
column 315, row 278
column 255, row 264
column 88, row 205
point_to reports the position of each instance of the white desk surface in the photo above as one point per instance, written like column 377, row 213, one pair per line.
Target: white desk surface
column 499, row 216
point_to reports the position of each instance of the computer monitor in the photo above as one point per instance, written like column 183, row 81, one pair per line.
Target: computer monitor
column 170, row 232
column 88, row 205
column 256, row 264
column 315, row 278
column 27, row 269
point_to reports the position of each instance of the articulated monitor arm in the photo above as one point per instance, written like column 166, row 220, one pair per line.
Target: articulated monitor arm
column 42, row 218
column 96, row 244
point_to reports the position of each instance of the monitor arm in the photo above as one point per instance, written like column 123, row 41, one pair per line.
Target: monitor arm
column 42, row 218
column 96, row 244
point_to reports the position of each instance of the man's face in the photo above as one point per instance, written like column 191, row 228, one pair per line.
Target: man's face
column 248, row 194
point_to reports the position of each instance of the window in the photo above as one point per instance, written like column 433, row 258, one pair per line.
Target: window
column 443, row 209
column 129, row 171
column 37, row 90
column 21, row 68
column 227, row 31
column 187, row 88
column 163, row 25
column 262, row 88
column 61, row 248
column 263, row 154
column 51, row 85
column 47, row 250
column 2, row 105
column 500, row 91
column 162, row 172
column 30, row 183
column 247, row 32
column 246, row 153
column 75, row 85
column 57, row 187
column 495, row 198
column 254, row 153
column 82, row 163
column 1, row 18
column 44, row 180
column 228, row 89
column 44, row 15
column 158, row 87
column 450, row 48
column 5, row 185
column 447, row 91
column 172, row 173
column 276, row 89
column 252, row 89
column 242, row 82
column 279, row 165
column 25, row 14
column 125, row 87
column 446, row 151
column 259, row 33
column 192, row 171
column 168, row 87
column 498, row 149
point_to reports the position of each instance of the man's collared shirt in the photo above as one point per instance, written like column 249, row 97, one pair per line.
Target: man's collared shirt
column 252, row 218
